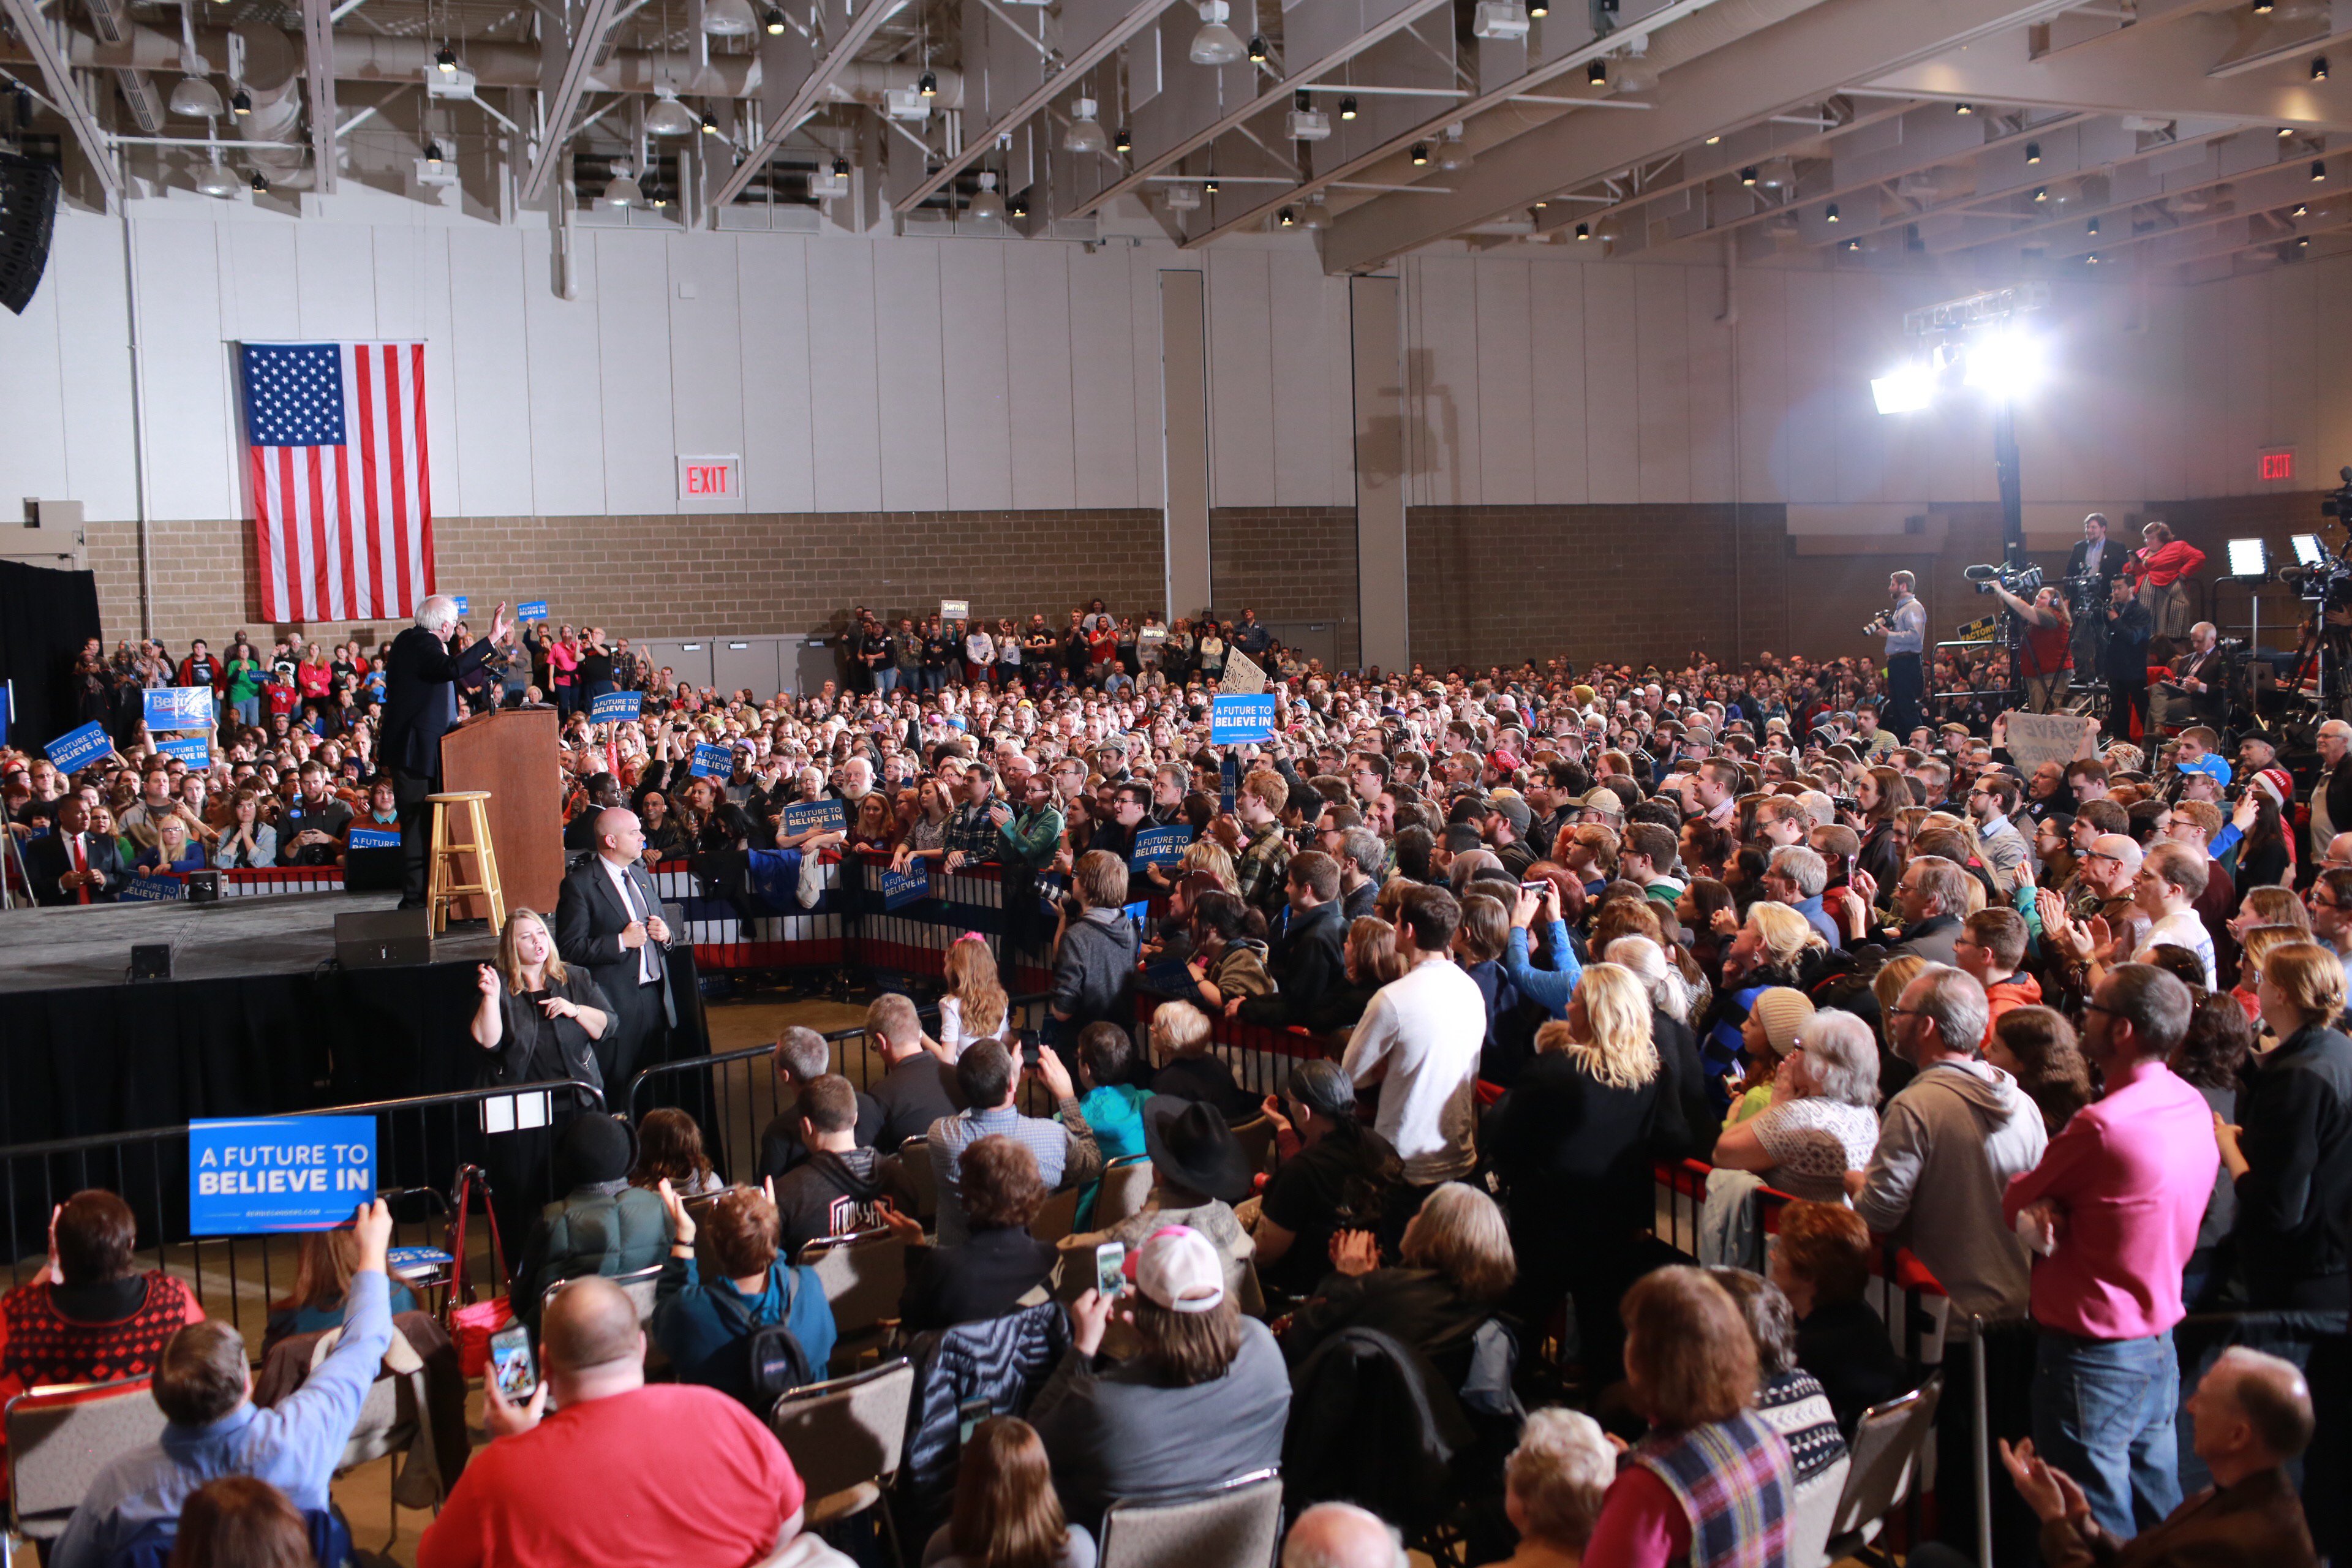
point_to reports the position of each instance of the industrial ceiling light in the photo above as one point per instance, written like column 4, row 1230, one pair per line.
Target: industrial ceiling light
column 2300, row 209
column 710, row 126
column 433, row 155
column 194, row 98
column 1584, row 231
column 1018, row 206
column 1453, row 154
column 1964, row 109
column 622, row 190
column 773, row 21
column 665, row 116
column 1257, row 50
column 1288, row 218
column 1597, row 72
column 1748, row 177
column 2320, row 68
column 1122, row 141
column 840, row 167
column 985, row 204
column 445, row 59
column 2033, row 152
column 1419, row 154
column 1538, row 8
column 728, row 18
column 657, row 196
column 213, row 180
column 927, row 84
column 240, row 104
column 2041, row 192
column 1347, row 107
column 1217, row 44
column 1316, row 215
column 1832, row 215
column 2318, row 170
column 1086, row 134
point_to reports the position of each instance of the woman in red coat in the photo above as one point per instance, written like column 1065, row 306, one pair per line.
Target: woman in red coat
column 2158, row 569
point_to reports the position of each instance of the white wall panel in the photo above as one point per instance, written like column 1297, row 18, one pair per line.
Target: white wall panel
column 1813, row 375
column 1102, row 380
column 1037, row 345
column 1143, row 315
column 85, row 287
column 488, row 356
column 1241, row 379
column 772, row 317
column 336, row 266
column 1442, row 380
column 32, row 402
column 1611, row 363
column 706, row 354
column 979, row 414
column 567, row 404
column 847, row 410
column 261, row 282
column 1304, row 309
column 189, row 393
column 913, row 375
column 1661, row 359
column 632, row 294
column 1707, row 342
column 1555, row 382
column 1507, row 429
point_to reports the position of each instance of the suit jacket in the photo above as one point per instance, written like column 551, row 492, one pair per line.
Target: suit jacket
column 46, row 859
column 589, row 920
column 2210, row 707
column 2110, row 559
column 2258, row 1523
column 420, row 702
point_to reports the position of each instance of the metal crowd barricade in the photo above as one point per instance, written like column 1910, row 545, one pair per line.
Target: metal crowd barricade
column 732, row 1095
column 420, row 1141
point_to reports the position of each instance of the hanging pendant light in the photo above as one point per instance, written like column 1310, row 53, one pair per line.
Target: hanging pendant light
column 622, row 190
column 668, row 117
column 1217, row 44
column 728, row 18
column 212, row 179
column 986, row 206
column 1086, row 134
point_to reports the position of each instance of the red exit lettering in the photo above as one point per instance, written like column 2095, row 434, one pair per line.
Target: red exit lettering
column 706, row 479
column 2277, row 465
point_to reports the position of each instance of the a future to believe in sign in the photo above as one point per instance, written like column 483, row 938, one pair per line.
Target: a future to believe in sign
column 278, row 1173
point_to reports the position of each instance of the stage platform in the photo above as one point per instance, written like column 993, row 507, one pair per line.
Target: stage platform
column 63, row 947
column 258, row 1017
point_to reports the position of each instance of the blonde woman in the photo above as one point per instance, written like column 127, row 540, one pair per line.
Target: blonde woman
column 1454, row 1268
column 927, row 836
column 538, row 1019
column 972, row 1009
column 1775, row 946
column 1210, row 859
column 1575, row 1140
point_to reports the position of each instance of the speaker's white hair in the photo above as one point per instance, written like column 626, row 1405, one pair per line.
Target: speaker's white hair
column 437, row 613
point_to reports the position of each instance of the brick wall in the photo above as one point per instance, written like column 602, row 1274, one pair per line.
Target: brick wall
column 1643, row 583
column 1290, row 564
column 672, row 576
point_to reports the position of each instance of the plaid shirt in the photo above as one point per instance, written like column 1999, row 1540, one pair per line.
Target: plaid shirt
column 1262, row 867
column 1065, row 1151
column 971, row 831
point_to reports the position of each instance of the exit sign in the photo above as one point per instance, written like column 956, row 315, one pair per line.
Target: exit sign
column 2274, row 465
column 711, row 481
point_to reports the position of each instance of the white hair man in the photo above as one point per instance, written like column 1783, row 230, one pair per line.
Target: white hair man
column 420, row 706
column 1341, row 1535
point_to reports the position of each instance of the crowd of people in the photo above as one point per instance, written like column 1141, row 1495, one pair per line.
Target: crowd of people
column 2065, row 1027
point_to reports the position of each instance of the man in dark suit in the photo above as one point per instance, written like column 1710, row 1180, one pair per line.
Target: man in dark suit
column 73, row 865
column 608, row 921
column 2093, row 556
column 420, row 706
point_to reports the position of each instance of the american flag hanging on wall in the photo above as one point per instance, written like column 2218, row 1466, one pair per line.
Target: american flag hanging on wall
column 342, row 507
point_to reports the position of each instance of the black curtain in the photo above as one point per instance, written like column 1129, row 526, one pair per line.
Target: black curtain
column 46, row 615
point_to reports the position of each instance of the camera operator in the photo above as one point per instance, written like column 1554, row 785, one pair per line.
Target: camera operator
column 2091, row 566
column 2044, row 654
column 1904, row 627
column 2127, row 659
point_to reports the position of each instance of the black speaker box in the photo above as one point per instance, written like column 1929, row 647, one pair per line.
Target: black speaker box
column 28, row 210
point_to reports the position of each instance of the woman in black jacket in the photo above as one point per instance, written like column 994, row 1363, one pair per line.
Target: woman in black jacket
column 989, row 1273
column 1574, row 1141
column 2289, row 1157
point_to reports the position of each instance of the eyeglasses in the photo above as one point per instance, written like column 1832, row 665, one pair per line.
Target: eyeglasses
column 2102, row 1007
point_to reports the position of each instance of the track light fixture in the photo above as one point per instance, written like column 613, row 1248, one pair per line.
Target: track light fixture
column 1209, row 186
column 773, row 20
column 433, row 153
column 1715, row 141
column 2092, row 226
column 2033, row 152
column 1288, row 218
column 1964, row 109
column 1597, row 72
column 2320, row 68
column 2318, row 170
column 1419, row 154
column 840, row 168
column 1539, row 9
column 2041, row 192
column 2300, row 209
column 240, row 104
column 1832, row 215
column 1748, row 177
column 927, row 84
column 260, row 183
column 1257, row 50
column 1347, row 107
column 1584, row 231
column 1122, row 142
column 709, row 126
column 445, row 59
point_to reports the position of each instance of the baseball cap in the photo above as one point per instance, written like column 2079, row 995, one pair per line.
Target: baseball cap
column 1512, row 810
column 1602, row 798
column 1177, row 1269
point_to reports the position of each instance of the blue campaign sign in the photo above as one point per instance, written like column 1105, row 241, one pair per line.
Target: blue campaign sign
column 901, row 888
column 152, row 888
column 179, row 708
column 1236, row 719
column 1159, row 846
column 531, row 610
column 712, row 760
column 374, row 838
column 617, row 707
column 459, row 600
column 278, row 1173
column 77, row 748
column 192, row 750
column 829, row 815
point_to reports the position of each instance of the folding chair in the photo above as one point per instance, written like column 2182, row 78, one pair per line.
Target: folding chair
column 59, row 1440
column 1256, row 1139
column 1057, row 1216
column 864, row 1276
column 915, row 1158
column 1888, row 1443
column 846, row 1438
column 1236, row 1525
column 1125, row 1188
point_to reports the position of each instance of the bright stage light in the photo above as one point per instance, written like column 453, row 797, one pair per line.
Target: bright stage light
column 2007, row 364
column 1906, row 389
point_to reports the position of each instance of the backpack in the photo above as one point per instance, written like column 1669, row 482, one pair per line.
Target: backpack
column 774, row 1363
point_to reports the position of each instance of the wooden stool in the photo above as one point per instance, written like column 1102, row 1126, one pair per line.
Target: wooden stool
column 443, row 887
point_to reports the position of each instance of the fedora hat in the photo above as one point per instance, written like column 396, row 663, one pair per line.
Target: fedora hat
column 1191, row 1147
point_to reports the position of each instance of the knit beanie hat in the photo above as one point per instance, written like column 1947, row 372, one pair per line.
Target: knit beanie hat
column 1782, row 1010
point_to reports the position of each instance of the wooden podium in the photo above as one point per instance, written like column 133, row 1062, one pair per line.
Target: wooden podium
column 513, row 753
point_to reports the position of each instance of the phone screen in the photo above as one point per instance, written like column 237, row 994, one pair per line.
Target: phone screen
column 1030, row 1049
column 1110, row 1269
column 970, row 1413
column 511, row 1363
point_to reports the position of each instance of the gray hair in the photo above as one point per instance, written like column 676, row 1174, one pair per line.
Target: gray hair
column 1560, row 1471
column 1669, row 992
column 804, row 1053
column 438, row 614
column 1956, row 1004
column 1341, row 1535
column 1818, row 806
column 1841, row 1058
column 1802, row 866
column 2155, row 1003
column 1363, row 847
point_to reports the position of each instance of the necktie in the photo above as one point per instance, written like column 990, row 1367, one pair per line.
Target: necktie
column 81, row 863
column 635, row 907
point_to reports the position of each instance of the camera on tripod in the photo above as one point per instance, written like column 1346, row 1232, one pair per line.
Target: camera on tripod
column 2022, row 581
column 2337, row 502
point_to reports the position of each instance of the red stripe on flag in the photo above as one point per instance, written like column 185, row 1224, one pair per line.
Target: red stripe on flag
column 323, row 541
column 364, row 438
column 363, row 603
column 291, row 538
column 424, row 468
column 406, row 602
column 265, row 550
column 332, row 458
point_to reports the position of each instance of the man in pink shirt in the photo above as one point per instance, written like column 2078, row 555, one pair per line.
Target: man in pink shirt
column 2113, row 1208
